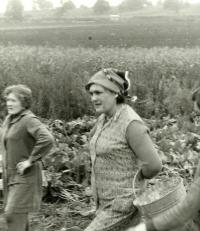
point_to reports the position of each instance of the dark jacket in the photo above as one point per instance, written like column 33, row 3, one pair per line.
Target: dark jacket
column 24, row 137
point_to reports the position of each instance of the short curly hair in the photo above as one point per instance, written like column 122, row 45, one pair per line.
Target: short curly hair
column 22, row 92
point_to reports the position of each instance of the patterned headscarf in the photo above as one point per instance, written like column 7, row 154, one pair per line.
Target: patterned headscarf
column 112, row 79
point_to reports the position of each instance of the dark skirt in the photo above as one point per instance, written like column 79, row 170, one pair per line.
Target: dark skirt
column 19, row 197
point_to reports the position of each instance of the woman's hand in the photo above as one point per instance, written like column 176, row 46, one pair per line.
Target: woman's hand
column 140, row 227
column 22, row 166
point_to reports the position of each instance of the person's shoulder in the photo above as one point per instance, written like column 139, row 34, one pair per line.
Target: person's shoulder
column 29, row 117
column 29, row 114
column 129, row 114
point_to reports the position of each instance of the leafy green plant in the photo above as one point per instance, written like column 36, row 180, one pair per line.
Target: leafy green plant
column 162, row 78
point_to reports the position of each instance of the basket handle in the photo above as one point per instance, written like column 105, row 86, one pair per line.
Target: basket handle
column 135, row 179
column 137, row 175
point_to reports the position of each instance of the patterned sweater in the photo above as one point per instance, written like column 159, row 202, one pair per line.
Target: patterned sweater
column 115, row 146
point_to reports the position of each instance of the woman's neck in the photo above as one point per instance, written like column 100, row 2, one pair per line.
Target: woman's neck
column 112, row 112
column 17, row 114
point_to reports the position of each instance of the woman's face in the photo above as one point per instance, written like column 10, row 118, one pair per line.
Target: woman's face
column 13, row 104
column 104, row 101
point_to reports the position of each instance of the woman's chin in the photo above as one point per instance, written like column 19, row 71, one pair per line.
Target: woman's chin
column 98, row 111
column 11, row 112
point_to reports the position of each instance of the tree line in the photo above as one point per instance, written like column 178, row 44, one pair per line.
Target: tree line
column 15, row 8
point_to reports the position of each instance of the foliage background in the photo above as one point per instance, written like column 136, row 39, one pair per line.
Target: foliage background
column 38, row 51
column 162, row 78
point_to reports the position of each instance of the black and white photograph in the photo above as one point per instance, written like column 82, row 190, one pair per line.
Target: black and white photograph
column 99, row 115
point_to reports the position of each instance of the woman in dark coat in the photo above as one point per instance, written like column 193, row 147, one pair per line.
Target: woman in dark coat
column 25, row 140
column 184, row 211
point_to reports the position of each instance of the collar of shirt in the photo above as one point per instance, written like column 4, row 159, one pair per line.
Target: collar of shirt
column 18, row 117
column 120, row 107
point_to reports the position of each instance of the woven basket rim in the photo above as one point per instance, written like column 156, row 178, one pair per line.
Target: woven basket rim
column 167, row 194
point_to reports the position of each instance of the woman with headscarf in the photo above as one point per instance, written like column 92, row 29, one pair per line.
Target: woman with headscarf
column 119, row 141
column 25, row 141
column 184, row 211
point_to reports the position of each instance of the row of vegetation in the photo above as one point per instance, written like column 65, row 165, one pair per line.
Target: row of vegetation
column 162, row 78
column 136, row 31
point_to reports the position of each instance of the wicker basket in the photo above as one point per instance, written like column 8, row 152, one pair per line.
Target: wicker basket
column 167, row 200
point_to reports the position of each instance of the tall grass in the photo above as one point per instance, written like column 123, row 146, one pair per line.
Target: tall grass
column 162, row 78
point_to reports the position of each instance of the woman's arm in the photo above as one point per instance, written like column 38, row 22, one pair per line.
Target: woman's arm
column 44, row 139
column 43, row 143
column 140, row 142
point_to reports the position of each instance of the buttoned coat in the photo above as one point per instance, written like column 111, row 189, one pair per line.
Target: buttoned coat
column 23, row 137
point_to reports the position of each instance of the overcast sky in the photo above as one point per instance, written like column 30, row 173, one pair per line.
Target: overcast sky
column 28, row 3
